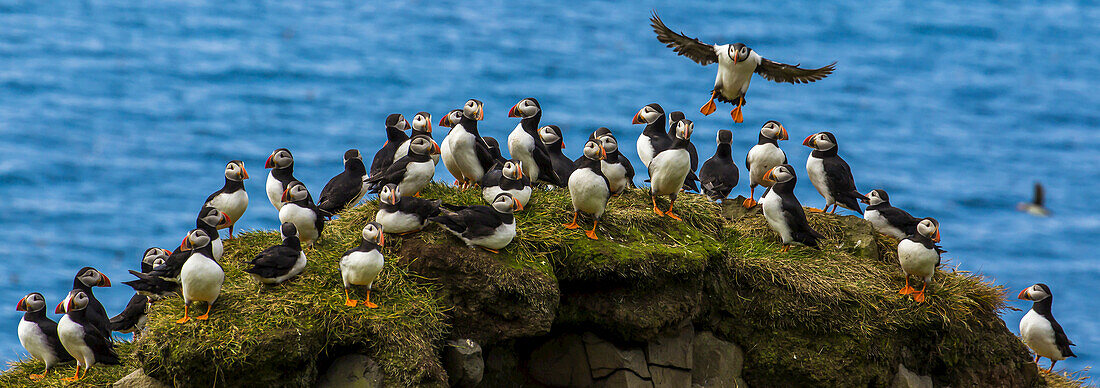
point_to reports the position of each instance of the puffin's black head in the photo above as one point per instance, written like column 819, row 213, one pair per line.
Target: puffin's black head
column 512, row 169
column 738, row 52
column 422, row 122
column 295, row 191
column 352, row 154
column 151, row 255
column 423, row 145
column 821, row 141
column 774, row 130
column 373, row 232
column 876, row 197
column 279, row 158
column 397, row 120
column 527, row 107
column 649, row 114
column 451, row 118
column 610, row 145
column 213, row 217
column 779, row 174
column 594, row 150
column 683, row 129
column 234, row 171
column 505, row 203
column 287, row 230
column 1036, row 293
column 31, row 303
column 76, row 300
column 474, row 109
column 725, row 136
column 550, row 134
column 390, row 194
column 600, row 132
column 91, row 277
column 195, row 239
column 929, row 227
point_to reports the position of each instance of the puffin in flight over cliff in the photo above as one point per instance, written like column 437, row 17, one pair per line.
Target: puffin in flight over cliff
column 736, row 63
column 1036, row 206
column 1040, row 331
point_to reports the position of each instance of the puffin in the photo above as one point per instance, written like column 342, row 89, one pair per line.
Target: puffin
column 669, row 169
column 347, row 187
column 209, row 220
column 422, row 126
column 509, row 178
column 494, row 151
column 412, row 172
column 360, row 265
column 278, row 263
column 96, row 315
column 489, row 227
column 231, row 199
column 79, row 336
column 133, row 317
column 764, row 156
column 201, row 276
column 678, row 119
column 718, row 175
column 302, row 212
column 525, row 143
column 150, row 257
column 396, row 143
column 152, row 287
column 551, row 136
column 887, row 219
column 831, row 175
column 169, row 268
column 589, row 189
column 38, row 333
column 281, row 163
column 783, row 211
column 1036, row 206
column 614, row 166
column 920, row 256
column 401, row 215
column 463, row 151
column 653, row 139
column 1039, row 330
column 736, row 63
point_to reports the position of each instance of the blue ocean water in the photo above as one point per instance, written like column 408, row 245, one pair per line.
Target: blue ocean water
column 117, row 117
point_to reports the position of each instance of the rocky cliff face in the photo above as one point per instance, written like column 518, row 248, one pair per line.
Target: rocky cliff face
column 706, row 302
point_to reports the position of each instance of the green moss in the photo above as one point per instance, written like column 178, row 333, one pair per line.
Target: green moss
column 19, row 371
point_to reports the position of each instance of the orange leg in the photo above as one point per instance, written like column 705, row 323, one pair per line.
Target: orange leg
column 417, row 195
column 367, row 302
column 205, row 315
column 572, row 225
column 669, row 212
column 39, row 377
column 749, row 202
column 1051, row 369
column 919, row 295
column 75, row 377
column 457, row 182
column 348, row 301
column 655, row 208
column 816, row 210
column 736, row 112
column 592, row 233
column 185, row 317
column 906, row 290
column 785, row 248
column 490, row 250
column 709, row 107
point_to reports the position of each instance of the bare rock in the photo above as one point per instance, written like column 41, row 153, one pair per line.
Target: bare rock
column 463, row 362
column 624, row 379
column 907, row 379
column 717, row 363
column 664, row 377
column 138, row 379
column 561, row 362
column 352, row 371
column 672, row 348
column 605, row 358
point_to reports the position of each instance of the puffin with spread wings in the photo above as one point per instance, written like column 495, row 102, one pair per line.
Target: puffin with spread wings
column 736, row 63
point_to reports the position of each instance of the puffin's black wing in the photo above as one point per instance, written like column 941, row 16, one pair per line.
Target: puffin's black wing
column 842, row 183
column 1038, row 200
column 781, row 72
column 1060, row 338
column 492, row 177
column 484, row 155
column 546, row 167
column 102, row 348
column 383, row 158
column 698, row 51
column 623, row 160
column 392, row 174
column 339, row 190
column 900, row 219
column 423, row 208
column 129, row 316
column 717, row 179
column 480, row 220
column 800, row 227
column 49, row 328
column 151, row 285
column 274, row 261
column 172, row 265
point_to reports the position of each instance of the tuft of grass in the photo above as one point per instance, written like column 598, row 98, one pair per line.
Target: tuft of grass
column 18, row 372
column 1064, row 379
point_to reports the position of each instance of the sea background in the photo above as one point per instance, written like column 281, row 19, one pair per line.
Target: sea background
column 117, row 117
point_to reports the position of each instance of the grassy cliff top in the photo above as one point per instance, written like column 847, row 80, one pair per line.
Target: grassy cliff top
column 265, row 334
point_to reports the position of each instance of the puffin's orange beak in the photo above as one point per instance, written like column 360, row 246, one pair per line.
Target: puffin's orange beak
column 381, row 239
column 22, row 305
column 186, row 244
column 480, row 113
column 168, row 252
column 1023, row 294
column 783, row 132
column 105, row 282
column 244, row 173
column 810, row 141
column 269, row 163
column 226, row 220
column 393, row 196
column 638, row 118
column 436, row 150
column 769, row 177
column 513, row 112
column 429, row 128
column 283, row 198
column 443, row 122
column 603, row 153
column 563, row 144
column 516, row 205
column 937, row 237
column 60, row 308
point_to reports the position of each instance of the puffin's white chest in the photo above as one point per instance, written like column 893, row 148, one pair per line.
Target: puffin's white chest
column 668, row 170
column 34, row 340
column 463, row 155
column 361, row 268
column 201, row 279
column 304, row 219
column 761, row 159
column 878, row 221
column 645, row 150
column 397, row 222
column 275, row 191
column 417, row 175
column 499, row 238
column 588, row 192
column 521, row 146
column 772, row 206
column 232, row 204
column 71, row 335
column 734, row 78
column 815, row 168
column 217, row 247
column 916, row 260
column 1037, row 332
column 616, row 176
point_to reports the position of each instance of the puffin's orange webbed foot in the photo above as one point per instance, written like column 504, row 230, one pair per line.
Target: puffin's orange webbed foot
column 36, row 376
column 672, row 215
column 367, row 303
column 709, row 107
column 907, row 290
column 749, row 203
column 814, row 210
column 918, row 296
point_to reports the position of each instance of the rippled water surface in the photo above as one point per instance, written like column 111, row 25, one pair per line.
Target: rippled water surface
column 118, row 117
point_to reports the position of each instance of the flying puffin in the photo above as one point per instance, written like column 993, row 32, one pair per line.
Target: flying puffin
column 302, row 212
column 830, row 174
column 1039, row 330
column 764, row 156
column 464, row 152
column 85, row 279
column 920, row 256
column 887, row 219
column 719, row 176
column 412, row 172
column 653, row 139
column 278, row 263
column 79, row 336
column 1035, row 207
column 395, row 144
column 360, row 265
column 400, row 215
column 669, row 169
column 551, row 136
column 525, row 144
column 281, row 163
column 201, row 276
column 209, row 220
column 736, row 63
column 422, row 126
column 346, row 188
column 589, row 189
column 783, row 211
column 231, row 199
column 133, row 317
column 38, row 333
column 509, row 178
column 490, row 227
